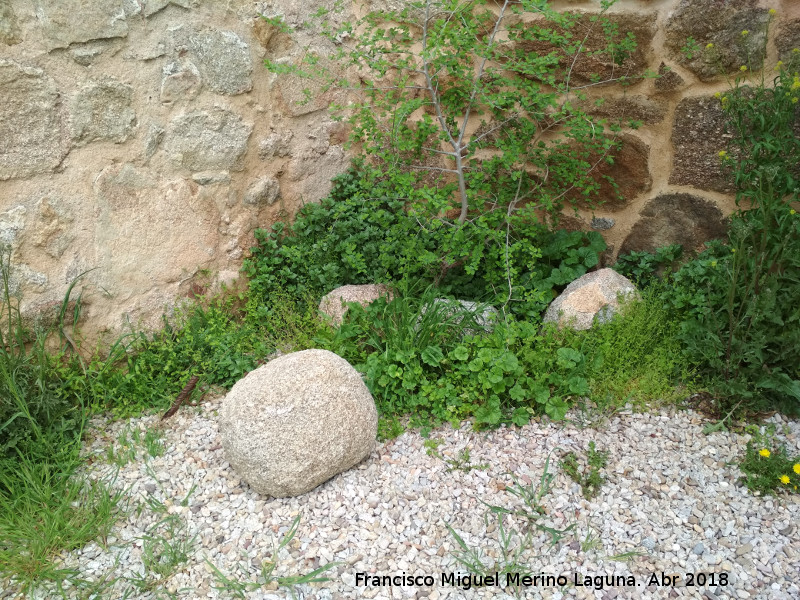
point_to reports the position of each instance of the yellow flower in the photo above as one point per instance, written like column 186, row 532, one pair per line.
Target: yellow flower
column 794, row 212
column 796, row 468
column 772, row 11
column 795, row 50
column 743, row 68
column 709, row 46
column 714, row 264
column 722, row 154
column 763, row 452
column 794, row 100
column 785, row 479
column 733, row 251
column 745, row 32
column 778, row 65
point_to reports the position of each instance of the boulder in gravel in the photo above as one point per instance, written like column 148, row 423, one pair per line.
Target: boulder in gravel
column 593, row 297
column 297, row 421
column 334, row 304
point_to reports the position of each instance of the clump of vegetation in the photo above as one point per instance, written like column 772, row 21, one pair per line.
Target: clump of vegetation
column 234, row 586
column 589, row 477
column 424, row 359
column 45, row 506
column 739, row 300
column 645, row 268
column 767, row 467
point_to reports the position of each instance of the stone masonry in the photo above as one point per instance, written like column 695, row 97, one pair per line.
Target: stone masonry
column 142, row 141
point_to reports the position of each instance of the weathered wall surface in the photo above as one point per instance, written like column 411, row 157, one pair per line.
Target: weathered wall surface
column 143, row 139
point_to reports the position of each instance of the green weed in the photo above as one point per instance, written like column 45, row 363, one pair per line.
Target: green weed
column 767, row 466
column 131, row 441
column 460, row 462
column 589, row 477
column 238, row 588
column 165, row 548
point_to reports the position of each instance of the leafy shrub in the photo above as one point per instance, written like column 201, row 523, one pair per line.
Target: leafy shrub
column 421, row 359
column 645, row 268
column 145, row 372
column 364, row 232
column 436, row 68
column 413, row 115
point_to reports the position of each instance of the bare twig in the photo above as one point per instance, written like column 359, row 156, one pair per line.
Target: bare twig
column 185, row 393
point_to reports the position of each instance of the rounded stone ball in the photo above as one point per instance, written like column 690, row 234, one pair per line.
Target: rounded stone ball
column 297, row 421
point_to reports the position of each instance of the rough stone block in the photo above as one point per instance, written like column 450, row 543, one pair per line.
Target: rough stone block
column 698, row 135
column 628, row 108
column 65, row 22
column 212, row 140
column 668, row 80
column 102, row 111
column 180, row 81
column 224, row 61
column 675, row 219
column 721, row 23
column 32, row 136
column 788, row 40
column 641, row 26
column 149, row 232
column 263, row 192
column 629, row 170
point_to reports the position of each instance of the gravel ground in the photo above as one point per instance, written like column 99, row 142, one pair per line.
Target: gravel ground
column 671, row 502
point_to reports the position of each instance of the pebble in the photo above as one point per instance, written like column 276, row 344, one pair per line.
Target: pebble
column 668, row 485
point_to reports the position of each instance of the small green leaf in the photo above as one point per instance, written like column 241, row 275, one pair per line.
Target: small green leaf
column 432, row 355
column 460, row 353
column 521, row 417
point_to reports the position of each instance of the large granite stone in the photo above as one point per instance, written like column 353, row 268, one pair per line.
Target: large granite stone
column 208, row 140
column 102, row 111
column 592, row 298
column 698, row 136
column 65, row 22
column 32, row 137
column 224, row 61
column 682, row 219
column 297, row 421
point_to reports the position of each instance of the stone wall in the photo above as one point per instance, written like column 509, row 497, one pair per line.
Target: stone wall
column 142, row 141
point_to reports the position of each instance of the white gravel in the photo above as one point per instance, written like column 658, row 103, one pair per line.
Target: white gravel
column 671, row 497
